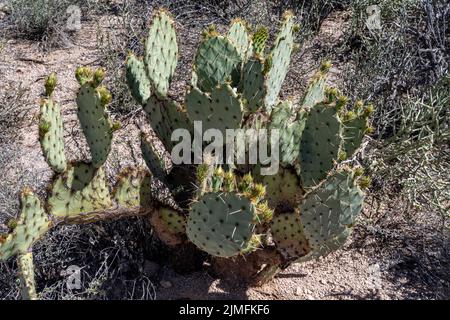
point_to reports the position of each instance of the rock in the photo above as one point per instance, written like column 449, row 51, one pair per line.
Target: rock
column 322, row 281
column 299, row 291
column 150, row 268
column 166, row 284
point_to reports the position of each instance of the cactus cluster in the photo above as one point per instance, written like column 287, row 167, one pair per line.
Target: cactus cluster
column 232, row 213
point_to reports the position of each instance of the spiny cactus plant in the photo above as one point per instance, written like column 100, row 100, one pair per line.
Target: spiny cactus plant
column 248, row 225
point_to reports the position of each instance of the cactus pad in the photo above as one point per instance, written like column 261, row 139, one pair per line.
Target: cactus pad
column 80, row 189
column 217, row 60
column 221, row 110
column 354, row 130
column 288, row 235
column 153, row 158
column 320, row 144
column 316, row 90
column 31, row 225
column 290, row 131
column 169, row 225
column 282, row 188
column 329, row 246
column 280, row 59
column 26, row 275
column 240, row 38
column 327, row 212
column 165, row 116
column 51, row 135
column 95, row 122
column 137, row 79
column 221, row 224
column 133, row 188
column 252, row 84
column 161, row 52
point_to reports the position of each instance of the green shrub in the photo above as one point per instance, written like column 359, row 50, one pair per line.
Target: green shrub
column 44, row 20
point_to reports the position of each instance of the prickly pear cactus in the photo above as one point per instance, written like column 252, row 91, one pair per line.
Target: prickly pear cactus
column 221, row 110
column 288, row 235
column 320, row 144
column 51, row 131
column 169, row 225
column 133, row 188
column 161, row 52
column 95, row 122
column 26, row 276
column 221, row 224
column 226, row 57
column 32, row 224
column 81, row 188
column 241, row 221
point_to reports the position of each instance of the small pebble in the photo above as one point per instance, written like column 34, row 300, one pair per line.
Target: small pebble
column 166, row 284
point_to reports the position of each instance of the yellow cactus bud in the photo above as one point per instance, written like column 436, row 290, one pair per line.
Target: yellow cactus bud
column 202, row 172
column 11, row 224
column 359, row 105
column 370, row 130
column 364, row 182
column 359, row 171
column 326, row 66
column 341, row 101
column 349, row 116
column 116, row 126
column 265, row 213
column 105, row 96
column 258, row 192
column 342, row 155
column 99, row 75
column 50, row 84
column 369, row 109
column 218, row 172
column 83, row 75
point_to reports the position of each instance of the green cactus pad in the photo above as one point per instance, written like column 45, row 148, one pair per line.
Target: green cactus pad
column 137, row 79
column 80, row 189
column 280, row 57
column 316, row 91
column 290, row 131
column 161, row 52
column 260, row 38
column 353, row 133
column 169, row 226
column 328, row 211
column 288, row 235
column 165, row 116
column 282, row 188
column 31, row 225
column 320, row 144
column 252, row 84
column 217, row 61
column 51, row 135
column 95, row 122
column 26, row 276
column 221, row 110
column 133, row 188
column 240, row 38
column 221, row 224
column 329, row 246
column 153, row 158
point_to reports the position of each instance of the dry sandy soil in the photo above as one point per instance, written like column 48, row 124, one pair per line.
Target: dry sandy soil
column 379, row 262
